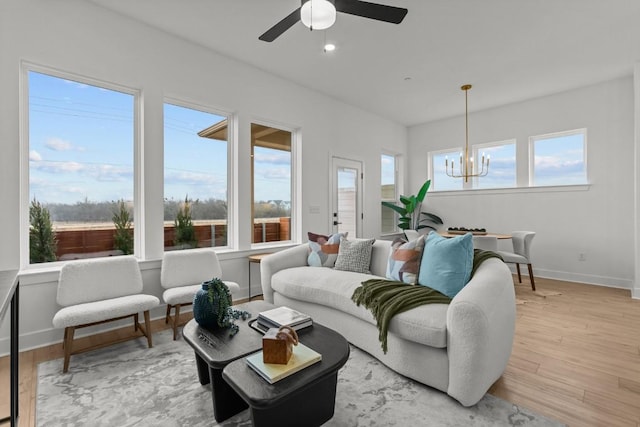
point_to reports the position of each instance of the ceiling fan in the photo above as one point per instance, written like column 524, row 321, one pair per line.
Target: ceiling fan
column 321, row 14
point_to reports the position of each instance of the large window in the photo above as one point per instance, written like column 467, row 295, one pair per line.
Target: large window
column 195, row 178
column 502, row 164
column 559, row 158
column 388, row 192
column 440, row 181
column 81, row 141
column 271, row 191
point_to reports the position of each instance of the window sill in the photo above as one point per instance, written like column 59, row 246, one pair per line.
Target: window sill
column 511, row 190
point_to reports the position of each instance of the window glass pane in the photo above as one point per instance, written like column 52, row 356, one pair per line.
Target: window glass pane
column 388, row 192
column 271, row 190
column 195, row 178
column 559, row 159
column 502, row 166
column 440, row 180
column 81, row 179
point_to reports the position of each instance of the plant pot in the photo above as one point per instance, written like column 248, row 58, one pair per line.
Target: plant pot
column 204, row 311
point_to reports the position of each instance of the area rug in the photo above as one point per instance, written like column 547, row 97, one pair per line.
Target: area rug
column 130, row 385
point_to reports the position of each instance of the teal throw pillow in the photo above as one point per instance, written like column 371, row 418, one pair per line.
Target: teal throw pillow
column 446, row 263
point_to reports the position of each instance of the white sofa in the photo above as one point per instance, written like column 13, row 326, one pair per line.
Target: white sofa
column 460, row 348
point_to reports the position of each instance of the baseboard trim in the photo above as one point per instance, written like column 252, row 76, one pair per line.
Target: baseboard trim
column 590, row 279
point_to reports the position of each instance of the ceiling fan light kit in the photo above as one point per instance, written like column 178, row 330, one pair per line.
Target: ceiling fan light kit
column 318, row 14
column 321, row 14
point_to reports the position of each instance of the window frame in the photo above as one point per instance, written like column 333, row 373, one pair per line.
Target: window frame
column 231, row 149
column 476, row 150
column 560, row 134
column 397, row 183
column 431, row 168
column 138, row 196
column 296, row 183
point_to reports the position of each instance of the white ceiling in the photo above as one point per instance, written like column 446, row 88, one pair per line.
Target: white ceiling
column 510, row 50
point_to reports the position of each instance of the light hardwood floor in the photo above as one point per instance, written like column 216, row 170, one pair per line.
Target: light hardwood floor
column 576, row 357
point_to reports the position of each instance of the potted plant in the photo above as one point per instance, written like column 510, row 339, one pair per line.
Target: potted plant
column 123, row 237
column 212, row 307
column 410, row 215
column 42, row 238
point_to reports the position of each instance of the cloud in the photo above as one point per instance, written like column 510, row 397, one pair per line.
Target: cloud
column 193, row 178
column 275, row 173
column 57, row 167
column 34, row 156
column 57, row 144
column 273, row 158
column 110, row 173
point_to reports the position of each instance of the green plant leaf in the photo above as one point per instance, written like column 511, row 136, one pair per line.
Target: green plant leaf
column 402, row 211
column 423, row 191
column 433, row 218
column 404, row 219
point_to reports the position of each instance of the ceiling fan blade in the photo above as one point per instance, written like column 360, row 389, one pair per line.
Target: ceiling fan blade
column 274, row 32
column 379, row 12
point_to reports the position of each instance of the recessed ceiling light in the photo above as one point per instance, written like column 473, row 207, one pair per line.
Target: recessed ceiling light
column 329, row 47
column 406, row 79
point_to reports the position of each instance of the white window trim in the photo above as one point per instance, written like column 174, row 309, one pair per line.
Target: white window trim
column 295, row 224
column 476, row 148
column 25, row 68
column 231, row 155
column 532, row 157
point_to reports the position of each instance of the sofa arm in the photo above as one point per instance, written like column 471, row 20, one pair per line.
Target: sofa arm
column 480, row 329
column 288, row 258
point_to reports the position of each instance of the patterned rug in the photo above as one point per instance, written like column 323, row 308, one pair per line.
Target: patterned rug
column 130, row 385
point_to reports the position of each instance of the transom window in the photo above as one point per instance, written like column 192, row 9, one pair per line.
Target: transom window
column 502, row 164
column 559, row 158
column 440, row 181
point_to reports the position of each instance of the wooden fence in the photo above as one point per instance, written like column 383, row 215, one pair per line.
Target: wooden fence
column 86, row 243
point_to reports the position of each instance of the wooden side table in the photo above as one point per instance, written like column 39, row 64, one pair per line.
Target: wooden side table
column 254, row 259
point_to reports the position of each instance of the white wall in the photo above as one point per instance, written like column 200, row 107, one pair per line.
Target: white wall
column 81, row 38
column 597, row 221
column 636, row 79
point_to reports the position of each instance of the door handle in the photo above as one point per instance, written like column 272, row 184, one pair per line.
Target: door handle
column 336, row 223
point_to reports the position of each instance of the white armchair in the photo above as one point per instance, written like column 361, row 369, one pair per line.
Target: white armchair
column 181, row 276
column 521, row 253
column 97, row 291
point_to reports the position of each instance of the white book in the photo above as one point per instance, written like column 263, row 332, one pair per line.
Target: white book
column 284, row 316
column 302, row 357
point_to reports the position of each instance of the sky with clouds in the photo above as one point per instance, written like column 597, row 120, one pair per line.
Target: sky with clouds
column 81, row 147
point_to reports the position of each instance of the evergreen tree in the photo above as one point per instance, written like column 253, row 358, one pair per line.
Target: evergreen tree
column 123, row 237
column 185, row 233
column 42, row 239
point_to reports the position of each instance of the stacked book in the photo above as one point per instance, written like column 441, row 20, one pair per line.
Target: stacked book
column 302, row 357
column 283, row 316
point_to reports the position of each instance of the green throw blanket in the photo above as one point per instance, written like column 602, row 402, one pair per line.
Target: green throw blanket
column 386, row 298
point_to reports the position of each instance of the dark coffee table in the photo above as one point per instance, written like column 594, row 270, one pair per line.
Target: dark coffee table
column 307, row 395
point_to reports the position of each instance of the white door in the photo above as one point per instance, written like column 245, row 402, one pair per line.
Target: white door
column 346, row 196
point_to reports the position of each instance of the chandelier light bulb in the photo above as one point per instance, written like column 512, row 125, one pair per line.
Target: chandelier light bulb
column 318, row 14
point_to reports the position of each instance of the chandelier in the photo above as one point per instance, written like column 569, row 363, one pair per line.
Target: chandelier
column 466, row 163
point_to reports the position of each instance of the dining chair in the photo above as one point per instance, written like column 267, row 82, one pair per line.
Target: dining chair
column 487, row 243
column 182, row 274
column 521, row 254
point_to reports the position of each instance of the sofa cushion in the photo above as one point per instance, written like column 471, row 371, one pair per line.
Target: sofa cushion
column 354, row 255
column 404, row 260
column 323, row 250
column 446, row 263
column 332, row 288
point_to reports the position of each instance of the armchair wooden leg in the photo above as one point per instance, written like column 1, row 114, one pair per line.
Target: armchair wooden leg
column 519, row 276
column 176, row 318
column 147, row 326
column 135, row 322
column 68, row 342
column 533, row 283
column 166, row 318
